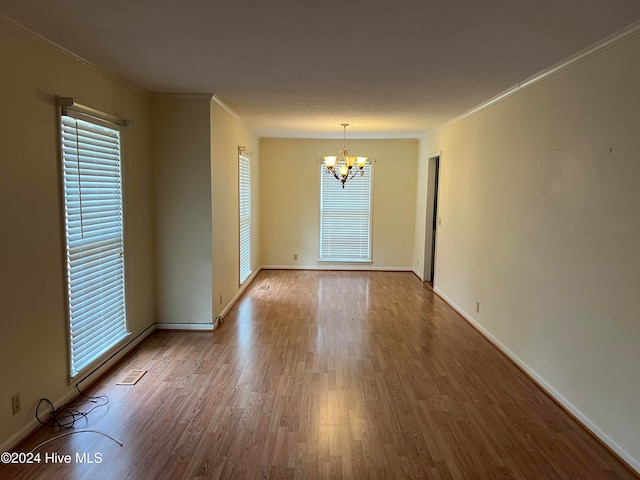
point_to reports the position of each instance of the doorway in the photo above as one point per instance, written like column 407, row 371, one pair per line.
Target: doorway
column 431, row 223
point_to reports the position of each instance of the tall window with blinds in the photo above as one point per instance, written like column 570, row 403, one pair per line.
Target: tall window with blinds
column 244, row 203
column 92, row 187
column 345, row 217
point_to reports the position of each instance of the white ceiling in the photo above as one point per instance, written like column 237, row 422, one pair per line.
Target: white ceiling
column 296, row 68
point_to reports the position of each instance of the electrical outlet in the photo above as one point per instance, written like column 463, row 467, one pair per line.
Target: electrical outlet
column 477, row 307
column 15, row 404
column 295, row 256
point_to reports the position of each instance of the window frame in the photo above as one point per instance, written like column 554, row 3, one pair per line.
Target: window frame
column 244, row 216
column 340, row 197
column 103, row 197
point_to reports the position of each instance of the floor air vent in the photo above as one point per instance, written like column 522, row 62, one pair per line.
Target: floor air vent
column 132, row 377
column 263, row 287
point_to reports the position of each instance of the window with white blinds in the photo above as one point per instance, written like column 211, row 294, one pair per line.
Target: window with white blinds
column 244, row 189
column 345, row 217
column 92, row 186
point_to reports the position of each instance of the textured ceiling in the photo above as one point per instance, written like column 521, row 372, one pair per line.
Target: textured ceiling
column 295, row 68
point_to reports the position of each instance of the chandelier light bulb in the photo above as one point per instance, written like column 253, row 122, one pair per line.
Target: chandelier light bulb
column 330, row 161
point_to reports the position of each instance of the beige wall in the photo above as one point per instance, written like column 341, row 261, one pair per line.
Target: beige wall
column 195, row 145
column 290, row 209
column 540, row 205
column 227, row 133
column 33, row 345
column 182, row 193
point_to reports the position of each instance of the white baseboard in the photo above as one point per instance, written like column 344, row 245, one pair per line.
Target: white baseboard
column 577, row 414
column 209, row 327
column 418, row 274
column 240, row 291
column 72, row 392
column 200, row 327
column 338, row 267
column 216, row 323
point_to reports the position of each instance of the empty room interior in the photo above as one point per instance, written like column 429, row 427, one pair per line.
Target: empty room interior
column 460, row 301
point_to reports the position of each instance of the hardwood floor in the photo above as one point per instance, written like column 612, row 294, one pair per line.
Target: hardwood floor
column 327, row 375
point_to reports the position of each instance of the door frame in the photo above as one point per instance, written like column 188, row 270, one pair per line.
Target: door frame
column 432, row 220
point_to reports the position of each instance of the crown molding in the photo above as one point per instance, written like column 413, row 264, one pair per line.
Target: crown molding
column 65, row 51
column 589, row 52
column 183, row 96
column 228, row 109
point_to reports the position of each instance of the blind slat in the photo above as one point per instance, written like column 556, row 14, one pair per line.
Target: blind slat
column 94, row 239
column 345, row 217
column 244, row 212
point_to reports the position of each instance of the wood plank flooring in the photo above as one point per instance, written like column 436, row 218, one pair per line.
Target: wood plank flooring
column 345, row 375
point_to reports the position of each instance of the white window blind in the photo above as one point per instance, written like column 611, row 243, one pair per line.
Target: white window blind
column 244, row 189
column 345, row 217
column 94, row 238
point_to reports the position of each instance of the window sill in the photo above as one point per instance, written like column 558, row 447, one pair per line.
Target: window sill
column 345, row 260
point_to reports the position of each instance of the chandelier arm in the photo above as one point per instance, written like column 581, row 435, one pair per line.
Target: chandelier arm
column 333, row 172
column 352, row 173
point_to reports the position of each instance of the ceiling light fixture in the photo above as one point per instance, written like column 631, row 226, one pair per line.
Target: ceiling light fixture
column 341, row 165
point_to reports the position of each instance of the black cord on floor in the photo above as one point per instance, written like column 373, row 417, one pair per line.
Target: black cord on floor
column 66, row 416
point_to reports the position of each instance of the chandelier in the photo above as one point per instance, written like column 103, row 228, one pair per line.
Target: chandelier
column 342, row 165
